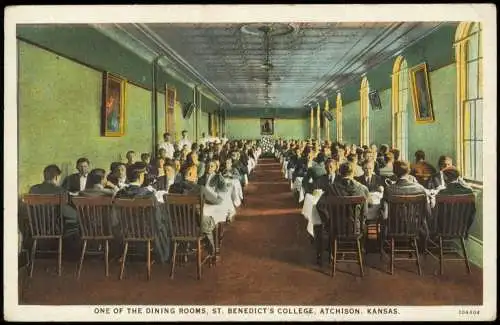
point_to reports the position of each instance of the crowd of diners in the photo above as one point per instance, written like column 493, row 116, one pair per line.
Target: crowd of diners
column 216, row 167
column 339, row 169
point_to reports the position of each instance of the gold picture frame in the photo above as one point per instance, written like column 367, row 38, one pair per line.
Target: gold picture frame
column 113, row 106
column 170, row 100
column 421, row 94
column 267, row 126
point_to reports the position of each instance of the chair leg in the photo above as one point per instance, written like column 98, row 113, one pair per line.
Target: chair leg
column 59, row 257
column 106, row 257
column 441, row 256
column 417, row 256
column 33, row 251
column 392, row 256
column 466, row 258
column 198, row 258
column 149, row 259
column 360, row 257
column 124, row 257
column 334, row 256
column 82, row 256
column 174, row 254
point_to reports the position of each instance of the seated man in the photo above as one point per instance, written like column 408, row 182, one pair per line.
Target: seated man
column 136, row 190
column 422, row 170
column 436, row 181
column 405, row 186
column 345, row 186
column 358, row 170
column 326, row 180
column 50, row 185
column 372, row 181
column 77, row 182
column 118, row 176
column 213, row 183
column 388, row 170
column 164, row 182
column 314, row 172
column 96, row 184
column 454, row 186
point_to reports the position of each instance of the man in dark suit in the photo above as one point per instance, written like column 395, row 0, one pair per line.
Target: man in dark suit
column 77, row 182
column 136, row 190
column 422, row 170
column 314, row 172
column 437, row 180
column 456, row 186
column 371, row 180
column 326, row 180
column 405, row 186
column 344, row 186
column 96, row 184
column 50, row 185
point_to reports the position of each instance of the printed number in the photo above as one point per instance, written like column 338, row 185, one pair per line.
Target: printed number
column 468, row 312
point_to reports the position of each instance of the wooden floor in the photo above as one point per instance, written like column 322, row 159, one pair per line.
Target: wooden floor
column 267, row 258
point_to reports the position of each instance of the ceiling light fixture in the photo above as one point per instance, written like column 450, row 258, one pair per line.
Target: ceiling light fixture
column 266, row 31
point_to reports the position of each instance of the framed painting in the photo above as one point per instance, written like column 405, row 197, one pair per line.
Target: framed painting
column 375, row 100
column 171, row 97
column 113, row 107
column 421, row 95
column 266, row 126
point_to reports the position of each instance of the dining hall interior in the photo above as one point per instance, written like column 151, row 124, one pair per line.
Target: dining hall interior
column 188, row 163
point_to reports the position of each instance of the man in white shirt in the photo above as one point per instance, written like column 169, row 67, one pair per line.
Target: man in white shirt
column 184, row 141
column 203, row 140
column 169, row 147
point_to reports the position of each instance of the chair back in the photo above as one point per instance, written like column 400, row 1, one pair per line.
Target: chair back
column 94, row 216
column 346, row 215
column 136, row 218
column 453, row 215
column 184, row 213
column 45, row 214
column 406, row 215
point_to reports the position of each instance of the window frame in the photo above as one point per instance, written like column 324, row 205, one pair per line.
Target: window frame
column 463, row 36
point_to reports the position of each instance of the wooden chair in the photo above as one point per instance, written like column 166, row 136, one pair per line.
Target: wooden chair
column 94, row 216
column 346, row 215
column 136, row 218
column 406, row 217
column 452, row 217
column 185, row 213
column 45, row 222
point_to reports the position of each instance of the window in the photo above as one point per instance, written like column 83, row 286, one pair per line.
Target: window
column 468, row 49
column 399, row 107
column 338, row 117
column 365, row 120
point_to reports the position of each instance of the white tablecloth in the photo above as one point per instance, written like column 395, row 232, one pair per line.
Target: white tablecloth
column 297, row 187
column 234, row 187
column 219, row 212
column 311, row 214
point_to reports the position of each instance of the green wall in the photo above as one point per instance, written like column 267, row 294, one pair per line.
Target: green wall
column 249, row 128
column 204, row 124
column 59, row 116
column 380, row 121
column 436, row 138
column 350, row 123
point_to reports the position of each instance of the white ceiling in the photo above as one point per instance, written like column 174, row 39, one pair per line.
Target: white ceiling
column 305, row 61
